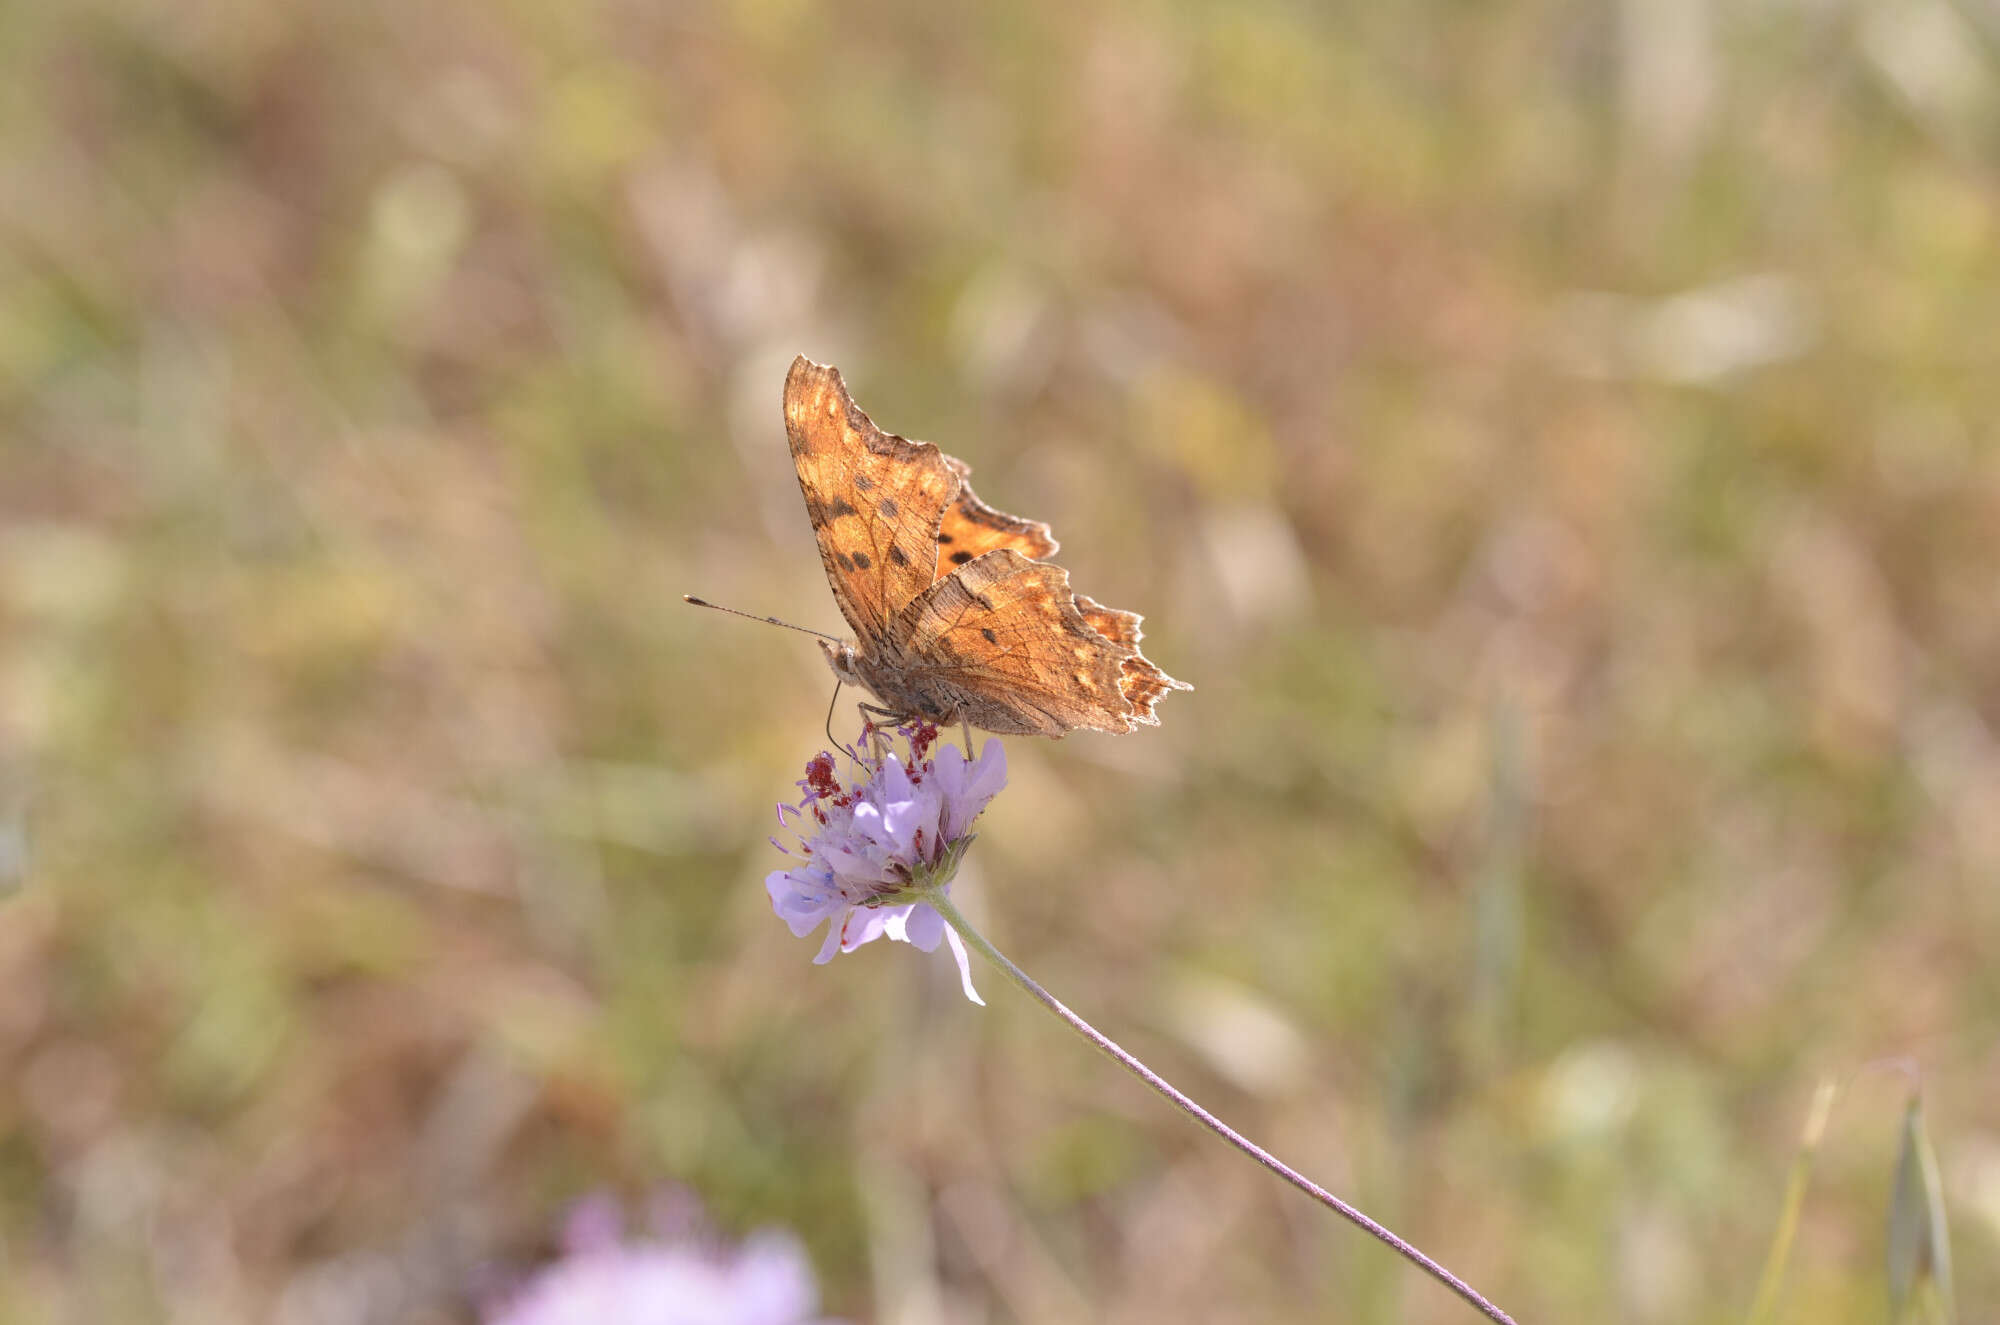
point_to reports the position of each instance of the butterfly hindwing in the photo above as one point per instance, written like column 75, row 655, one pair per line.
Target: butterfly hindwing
column 1139, row 681
column 1006, row 635
column 874, row 499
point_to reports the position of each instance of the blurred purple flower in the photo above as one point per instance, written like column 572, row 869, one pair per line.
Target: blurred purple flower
column 603, row 1279
column 898, row 825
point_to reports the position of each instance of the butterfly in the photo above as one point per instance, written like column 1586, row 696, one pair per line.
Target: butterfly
column 957, row 612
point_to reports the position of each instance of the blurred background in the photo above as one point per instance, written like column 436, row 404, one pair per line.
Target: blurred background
column 1557, row 440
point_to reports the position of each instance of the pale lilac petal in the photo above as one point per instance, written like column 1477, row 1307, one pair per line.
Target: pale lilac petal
column 904, row 809
column 679, row 1280
column 772, row 1280
column 833, row 937
column 969, row 787
column 903, row 820
column 924, row 928
column 911, row 809
column 893, row 782
column 868, row 821
column 869, row 925
column 798, row 902
column 854, row 867
column 897, row 828
column 990, row 775
column 964, row 960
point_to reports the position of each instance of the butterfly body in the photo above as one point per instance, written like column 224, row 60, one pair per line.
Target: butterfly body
column 906, row 689
column 957, row 615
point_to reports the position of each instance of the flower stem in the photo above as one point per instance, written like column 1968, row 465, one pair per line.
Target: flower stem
column 978, row 942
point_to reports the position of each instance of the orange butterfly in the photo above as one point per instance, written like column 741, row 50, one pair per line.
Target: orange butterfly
column 958, row 615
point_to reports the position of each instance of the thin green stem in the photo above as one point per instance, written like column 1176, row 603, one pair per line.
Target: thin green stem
column 978, row 943
column 1765, row 1308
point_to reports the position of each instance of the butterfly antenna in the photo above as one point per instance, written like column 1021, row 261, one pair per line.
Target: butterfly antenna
column 767, row 620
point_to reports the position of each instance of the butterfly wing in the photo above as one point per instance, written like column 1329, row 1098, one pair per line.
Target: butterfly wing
column 874, row 499
column 1010, row 642
column 970, row 528
column 950, row 597
column 1140, row 681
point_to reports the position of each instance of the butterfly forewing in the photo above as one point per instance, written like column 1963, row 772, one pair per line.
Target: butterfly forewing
column 970, row 528
column 874, row 499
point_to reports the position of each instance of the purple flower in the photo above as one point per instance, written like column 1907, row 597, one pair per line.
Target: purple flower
column 602, row 1279
column 897, row 828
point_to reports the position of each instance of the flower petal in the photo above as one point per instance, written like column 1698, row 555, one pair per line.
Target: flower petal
column 907, row 809
column 802, row 898
column 970, row 787
column 771, row 1281
column 964, row 961
column 884, row 831
column 854, row 867
column 867, row 925
column 834, row 933
column 924, row 928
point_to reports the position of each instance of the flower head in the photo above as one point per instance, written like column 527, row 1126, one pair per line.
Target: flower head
column 875, row 844
column 675, row 1277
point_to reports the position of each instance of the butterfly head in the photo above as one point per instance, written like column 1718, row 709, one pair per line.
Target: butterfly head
column 840, row 656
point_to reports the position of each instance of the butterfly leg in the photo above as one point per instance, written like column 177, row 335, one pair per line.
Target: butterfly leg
column 869, row 713
column 965, row 725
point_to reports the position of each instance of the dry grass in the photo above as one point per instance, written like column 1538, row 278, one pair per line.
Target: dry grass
column 1557, row 441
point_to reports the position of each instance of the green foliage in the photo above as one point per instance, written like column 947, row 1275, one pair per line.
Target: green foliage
column 1557, row 441
column 1919, row 1238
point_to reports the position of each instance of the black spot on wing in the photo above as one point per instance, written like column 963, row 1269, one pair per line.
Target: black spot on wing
column 987, row 631
column 838, row 507
column 888, row 508
column 960, row 558
column 862, row 483
column 896, row 555
column 846, row 562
